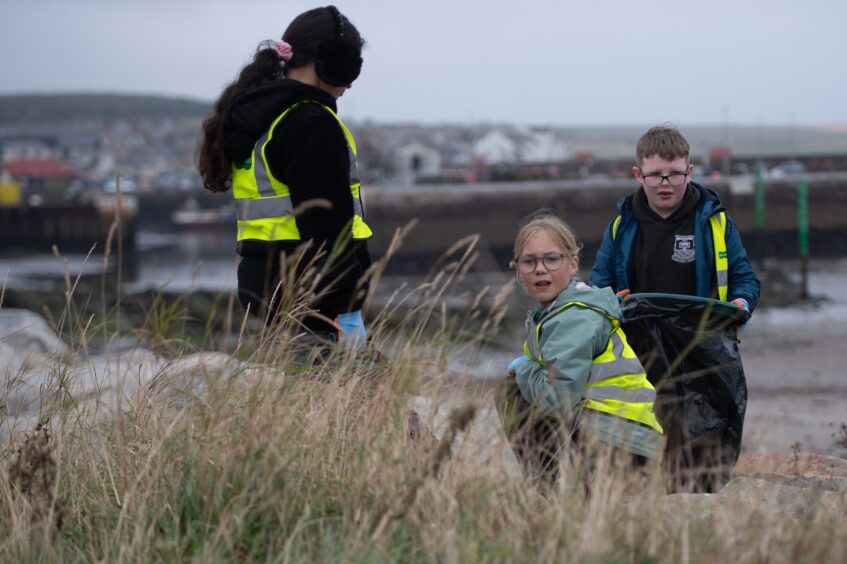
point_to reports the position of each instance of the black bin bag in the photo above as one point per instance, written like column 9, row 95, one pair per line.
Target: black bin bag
column 689, row 349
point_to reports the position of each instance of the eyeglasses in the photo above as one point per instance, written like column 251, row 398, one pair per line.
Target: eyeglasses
column 527, row 263
column 655, row 180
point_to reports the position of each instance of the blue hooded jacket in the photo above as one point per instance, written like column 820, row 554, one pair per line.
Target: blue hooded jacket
column 612, row 264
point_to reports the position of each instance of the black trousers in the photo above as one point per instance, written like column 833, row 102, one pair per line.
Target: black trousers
column 258, row 279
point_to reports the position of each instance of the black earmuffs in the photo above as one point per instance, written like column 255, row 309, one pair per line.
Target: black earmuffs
column 338, row 62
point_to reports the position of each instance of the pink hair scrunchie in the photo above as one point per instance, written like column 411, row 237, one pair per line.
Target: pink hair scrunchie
column 283, row 50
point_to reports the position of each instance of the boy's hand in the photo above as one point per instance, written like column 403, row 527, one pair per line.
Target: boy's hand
column 742, row 303
column 622, row 294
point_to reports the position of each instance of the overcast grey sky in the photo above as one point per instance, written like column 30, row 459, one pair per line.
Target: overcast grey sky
column 538, row 62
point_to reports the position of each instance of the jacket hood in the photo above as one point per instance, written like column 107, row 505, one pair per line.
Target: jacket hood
column 602, row 298
column 253, row 111
column 710, row 201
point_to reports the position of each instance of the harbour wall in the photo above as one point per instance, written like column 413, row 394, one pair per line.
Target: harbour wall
column 445, row 214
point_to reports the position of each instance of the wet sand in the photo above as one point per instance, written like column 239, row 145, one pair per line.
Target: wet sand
column 796, row 368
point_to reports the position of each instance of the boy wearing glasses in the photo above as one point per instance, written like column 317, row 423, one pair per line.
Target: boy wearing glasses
column 673, row 235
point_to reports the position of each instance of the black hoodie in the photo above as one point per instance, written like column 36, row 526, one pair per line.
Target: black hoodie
column 664, row 247
column 308, row 152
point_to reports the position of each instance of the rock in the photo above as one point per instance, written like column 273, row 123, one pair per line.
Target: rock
column 28, row 341
column 12, row 364
column 28, row 347
column 195, row 373
column 482, row 441
column 36, row 371
column 746, row 495
column 744, row 500
column 800, row 469
column 117, row 374
column 18, row 394
column 767, row 486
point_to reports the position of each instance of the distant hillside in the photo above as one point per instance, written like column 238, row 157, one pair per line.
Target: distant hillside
column 54, row 108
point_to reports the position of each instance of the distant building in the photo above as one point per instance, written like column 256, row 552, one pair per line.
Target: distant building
column 720, row 159
column 496, row 147
column 82, row 148
column 416, row 160
column 520, row 145
column 27, row 147
column 34, row 170
column 43, row 179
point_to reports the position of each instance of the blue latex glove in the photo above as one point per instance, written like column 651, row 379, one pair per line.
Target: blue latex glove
column 742, row 303
column 352, row 329
column 513, row 366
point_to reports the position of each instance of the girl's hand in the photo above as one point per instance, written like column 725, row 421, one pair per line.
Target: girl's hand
column 513, row 366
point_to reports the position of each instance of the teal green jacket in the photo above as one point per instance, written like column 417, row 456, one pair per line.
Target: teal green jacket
column 569, row 342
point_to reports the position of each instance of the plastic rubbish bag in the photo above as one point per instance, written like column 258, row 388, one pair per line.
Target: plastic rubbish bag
column 689, row 348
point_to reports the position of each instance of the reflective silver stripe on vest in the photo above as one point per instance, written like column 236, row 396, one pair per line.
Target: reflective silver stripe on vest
column 277, row 206
column 621, row 365
column 263, row 182
column 723, row 277
column 264, row 208
column 642, row 395
column 354, row 163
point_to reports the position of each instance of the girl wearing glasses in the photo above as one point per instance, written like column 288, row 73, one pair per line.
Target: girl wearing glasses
column 578, row 383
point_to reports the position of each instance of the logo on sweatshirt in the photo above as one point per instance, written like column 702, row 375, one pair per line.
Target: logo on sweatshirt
column 683, row 248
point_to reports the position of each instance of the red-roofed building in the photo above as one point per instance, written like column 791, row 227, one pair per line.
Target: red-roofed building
column 47, row 178
column 38, row 169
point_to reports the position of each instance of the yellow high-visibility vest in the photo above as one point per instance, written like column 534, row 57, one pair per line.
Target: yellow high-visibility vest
column 617, row 384
column 264, row 208
column 718, row 224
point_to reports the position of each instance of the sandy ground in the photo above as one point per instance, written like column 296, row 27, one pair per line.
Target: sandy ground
column 797, row 372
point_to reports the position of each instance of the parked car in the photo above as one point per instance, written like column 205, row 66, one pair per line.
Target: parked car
column 111, row 186
column 788, row 167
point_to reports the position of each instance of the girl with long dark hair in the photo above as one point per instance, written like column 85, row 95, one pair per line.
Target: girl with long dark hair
column 275, row 140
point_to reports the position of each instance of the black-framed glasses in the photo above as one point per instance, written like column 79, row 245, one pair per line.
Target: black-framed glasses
column 675, row 178
column 527, row 263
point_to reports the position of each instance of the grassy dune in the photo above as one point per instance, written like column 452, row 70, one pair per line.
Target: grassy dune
column 269, row 458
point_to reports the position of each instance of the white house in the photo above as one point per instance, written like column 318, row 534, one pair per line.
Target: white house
column 520, row 145
column 496, row 147
column 416, row 160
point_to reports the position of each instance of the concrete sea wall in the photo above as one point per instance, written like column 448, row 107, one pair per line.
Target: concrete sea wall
column 446, row 214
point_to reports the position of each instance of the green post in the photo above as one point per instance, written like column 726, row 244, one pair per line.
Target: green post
column 760, row 198
column 760, row 214
column 803, row 234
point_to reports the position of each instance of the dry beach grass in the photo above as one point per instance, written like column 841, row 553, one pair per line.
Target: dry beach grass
column 250, row 454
